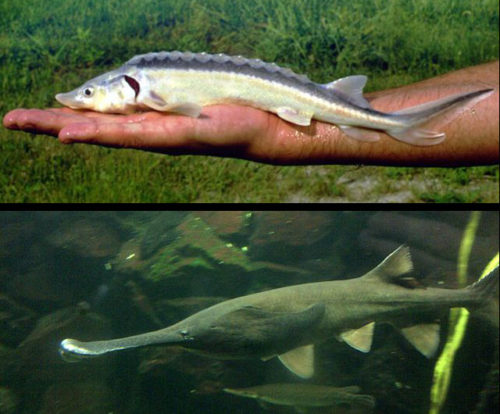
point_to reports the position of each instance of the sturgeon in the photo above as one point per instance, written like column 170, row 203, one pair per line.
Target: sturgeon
column 185, row 82
column 287, row 322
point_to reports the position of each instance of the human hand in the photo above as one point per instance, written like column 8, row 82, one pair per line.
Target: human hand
column 224, row 130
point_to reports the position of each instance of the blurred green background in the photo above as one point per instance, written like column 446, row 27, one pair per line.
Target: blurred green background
column 52, row 46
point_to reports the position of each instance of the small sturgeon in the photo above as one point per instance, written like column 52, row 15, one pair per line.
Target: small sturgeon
column 185, row 82
column 288, row 322
column 303, row 396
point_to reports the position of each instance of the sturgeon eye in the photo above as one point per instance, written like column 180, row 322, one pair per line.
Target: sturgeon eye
column 88, row 92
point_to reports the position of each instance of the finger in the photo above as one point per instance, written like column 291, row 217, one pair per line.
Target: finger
column 151, row 132
column 128, row 135
column 35, row 120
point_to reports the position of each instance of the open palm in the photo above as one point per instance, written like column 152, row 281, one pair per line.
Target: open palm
column 224, row 130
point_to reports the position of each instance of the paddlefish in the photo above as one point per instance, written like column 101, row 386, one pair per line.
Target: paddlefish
column 303, row 396
column 185, row 82
column 288, row 322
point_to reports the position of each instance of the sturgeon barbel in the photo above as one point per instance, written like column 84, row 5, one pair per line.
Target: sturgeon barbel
column 289, row 321
column 185, row 82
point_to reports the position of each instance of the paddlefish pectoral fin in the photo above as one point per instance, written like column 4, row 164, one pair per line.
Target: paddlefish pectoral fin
column 300, row 361
column 266, row 334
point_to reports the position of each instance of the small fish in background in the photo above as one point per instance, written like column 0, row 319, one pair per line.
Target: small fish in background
column 307, row 398
column 185, row 82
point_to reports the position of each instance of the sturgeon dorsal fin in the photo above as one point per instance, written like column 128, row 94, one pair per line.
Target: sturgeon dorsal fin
column 424, row 337
column 393, row 266
column 351, row 88
column 361, row 338
column 300, row 361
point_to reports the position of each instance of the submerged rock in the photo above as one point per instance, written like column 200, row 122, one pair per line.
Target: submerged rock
column 86, row 237
column 8, row 401
column 197, row 247
column 90, row 397
column 36, row 366
column 16, row 321
column 288, row 236
column 160, row 232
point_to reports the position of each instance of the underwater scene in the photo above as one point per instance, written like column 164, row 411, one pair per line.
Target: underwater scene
column 248, row 312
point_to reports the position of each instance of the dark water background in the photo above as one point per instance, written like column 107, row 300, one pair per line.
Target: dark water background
column 98, row 275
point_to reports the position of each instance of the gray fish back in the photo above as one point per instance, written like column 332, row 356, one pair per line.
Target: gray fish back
column 218, row 62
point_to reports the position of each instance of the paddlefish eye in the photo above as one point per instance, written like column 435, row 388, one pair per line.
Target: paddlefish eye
column 185, row 334
column 88, row 92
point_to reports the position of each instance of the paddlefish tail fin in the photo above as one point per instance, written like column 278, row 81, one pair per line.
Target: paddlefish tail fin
column 485, row 287
column 416, row 116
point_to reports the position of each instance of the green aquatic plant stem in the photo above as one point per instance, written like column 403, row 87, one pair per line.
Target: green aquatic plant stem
column 466, row 247
column 458, row 320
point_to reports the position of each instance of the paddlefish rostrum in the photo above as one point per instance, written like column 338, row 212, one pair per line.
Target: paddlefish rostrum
column 288, row 322
column 185, row 82
column 303, row 396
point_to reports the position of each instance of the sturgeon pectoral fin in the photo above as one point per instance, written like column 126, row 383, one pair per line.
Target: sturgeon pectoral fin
column 294, row 116
column 424, row 337
column 189, row 109
column 360, row 134
column 360, row 339
column 154, row 101
column 300, row 361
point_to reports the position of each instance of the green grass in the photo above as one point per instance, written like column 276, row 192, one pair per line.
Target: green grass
column 52, row 46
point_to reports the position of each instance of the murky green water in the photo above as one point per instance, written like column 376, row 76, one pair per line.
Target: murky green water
column 101, row 275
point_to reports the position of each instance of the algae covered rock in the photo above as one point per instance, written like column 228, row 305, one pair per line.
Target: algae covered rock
column 197, row 247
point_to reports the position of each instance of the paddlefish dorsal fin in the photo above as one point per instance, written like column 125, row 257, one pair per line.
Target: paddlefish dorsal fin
column 393, row 267
column 300, row 361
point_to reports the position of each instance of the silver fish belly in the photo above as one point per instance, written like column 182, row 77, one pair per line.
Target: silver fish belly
column 185, row 82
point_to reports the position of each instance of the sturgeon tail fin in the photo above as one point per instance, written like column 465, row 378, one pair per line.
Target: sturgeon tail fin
column 415, row 116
